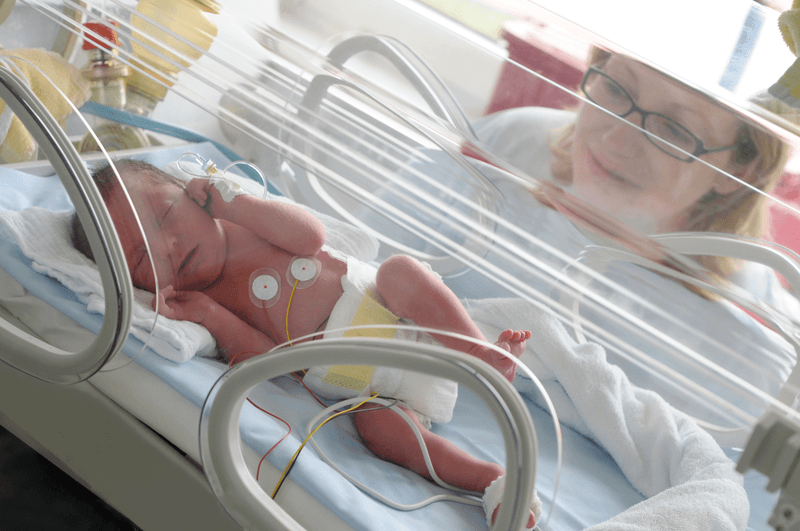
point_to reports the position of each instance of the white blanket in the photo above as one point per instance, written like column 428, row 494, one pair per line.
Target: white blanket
column 43, row 236
column 689, row 482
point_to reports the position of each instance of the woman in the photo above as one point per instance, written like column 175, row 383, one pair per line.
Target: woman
column 652, row 153
column 648, row 184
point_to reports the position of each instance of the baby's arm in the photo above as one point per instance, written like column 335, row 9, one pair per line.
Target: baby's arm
column 236, row 339
column 285, row 225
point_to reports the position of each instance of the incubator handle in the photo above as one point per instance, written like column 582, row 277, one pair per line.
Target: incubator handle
column 247, row 501
column 444, row 106
column 414, row 69
column 66, row 37
column 725, row 245
column 21, row 350
column 750, row 249
column 317, row 197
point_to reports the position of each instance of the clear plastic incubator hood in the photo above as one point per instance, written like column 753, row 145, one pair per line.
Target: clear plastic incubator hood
column 406, row 264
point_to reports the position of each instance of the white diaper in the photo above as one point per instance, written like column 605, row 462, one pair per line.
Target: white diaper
column 432, row 398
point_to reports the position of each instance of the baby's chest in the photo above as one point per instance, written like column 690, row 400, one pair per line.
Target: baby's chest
column 265, row 286
column 256, row 276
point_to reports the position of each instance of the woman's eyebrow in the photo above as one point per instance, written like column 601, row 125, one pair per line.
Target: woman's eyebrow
column 678, row 108
column 629, row 69
column 631, row 82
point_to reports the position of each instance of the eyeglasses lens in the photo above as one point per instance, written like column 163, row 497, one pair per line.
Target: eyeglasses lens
column 667, row 134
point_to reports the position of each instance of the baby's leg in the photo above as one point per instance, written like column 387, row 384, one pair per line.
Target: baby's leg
column 390, row 437
column 412, row 291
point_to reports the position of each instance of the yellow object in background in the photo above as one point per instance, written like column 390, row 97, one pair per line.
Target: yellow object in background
column 185, row 20
column 353, row 377
column 17, row 145
column 371, row 312
column 789, row 25
column 787, row 89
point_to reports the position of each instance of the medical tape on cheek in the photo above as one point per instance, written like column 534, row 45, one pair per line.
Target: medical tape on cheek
column 347, row 381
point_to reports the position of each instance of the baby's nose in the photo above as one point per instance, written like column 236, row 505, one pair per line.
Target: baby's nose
column 170, row 248
column 171, row 242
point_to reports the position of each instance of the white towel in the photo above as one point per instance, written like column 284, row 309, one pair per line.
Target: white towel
column 44, row 237
column 689, row 482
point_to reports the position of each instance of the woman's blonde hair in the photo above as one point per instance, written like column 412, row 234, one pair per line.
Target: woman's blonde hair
column 759, row 159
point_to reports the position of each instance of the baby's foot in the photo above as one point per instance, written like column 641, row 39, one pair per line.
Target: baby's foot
column 512, row 341
column 491, row 503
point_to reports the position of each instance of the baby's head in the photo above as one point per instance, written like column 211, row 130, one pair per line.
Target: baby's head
column 188, row 246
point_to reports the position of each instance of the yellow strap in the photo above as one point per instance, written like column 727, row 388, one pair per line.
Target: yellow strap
column 369, row 312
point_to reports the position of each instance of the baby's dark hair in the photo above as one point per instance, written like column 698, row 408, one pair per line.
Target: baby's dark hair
column 106, row 181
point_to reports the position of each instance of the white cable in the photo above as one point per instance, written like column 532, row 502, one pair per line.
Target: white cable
column 426, row 456
column 520, row 366
column 209, row 168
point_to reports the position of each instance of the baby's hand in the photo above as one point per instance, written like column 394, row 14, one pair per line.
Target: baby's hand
column 214, row 195
column 182, row 305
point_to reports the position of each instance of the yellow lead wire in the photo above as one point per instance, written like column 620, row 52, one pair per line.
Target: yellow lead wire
column 294, row 457
column 291, row 296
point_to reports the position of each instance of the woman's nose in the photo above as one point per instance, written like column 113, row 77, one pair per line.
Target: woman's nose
column 622, row 138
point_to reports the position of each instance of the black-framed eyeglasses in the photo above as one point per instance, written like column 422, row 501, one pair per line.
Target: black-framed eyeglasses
column 665, row 133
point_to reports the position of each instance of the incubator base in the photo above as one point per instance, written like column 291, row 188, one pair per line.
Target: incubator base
column 137, row 471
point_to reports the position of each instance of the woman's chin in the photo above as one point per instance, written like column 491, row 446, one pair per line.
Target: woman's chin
column 616, row 207
column 644, row 223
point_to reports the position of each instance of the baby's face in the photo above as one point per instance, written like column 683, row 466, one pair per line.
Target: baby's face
column 188, row 246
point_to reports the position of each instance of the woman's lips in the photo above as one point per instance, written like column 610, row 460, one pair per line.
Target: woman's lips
column 600, row 169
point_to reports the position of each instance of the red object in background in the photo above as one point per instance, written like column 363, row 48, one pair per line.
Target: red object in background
column 547, row 50
column 783, row 223
column 105, row 30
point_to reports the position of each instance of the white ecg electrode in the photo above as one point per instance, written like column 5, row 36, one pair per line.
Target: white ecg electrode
column 265, row 287
column 303, row 269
